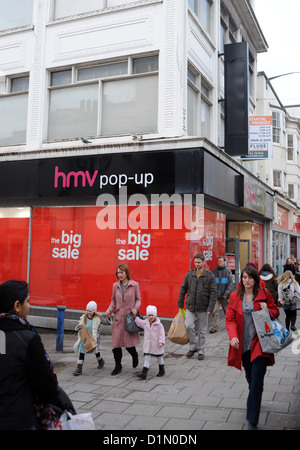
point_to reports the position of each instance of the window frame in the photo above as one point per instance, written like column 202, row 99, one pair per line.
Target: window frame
column 75, row 82
column 203, row 93
column 10, row 93
column 196, row 6
column 290, row 155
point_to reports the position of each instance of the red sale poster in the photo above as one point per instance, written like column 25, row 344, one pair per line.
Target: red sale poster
column 75, row 252
column 14, row 233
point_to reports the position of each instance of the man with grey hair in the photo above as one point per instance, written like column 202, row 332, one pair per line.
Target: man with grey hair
column 200, row 289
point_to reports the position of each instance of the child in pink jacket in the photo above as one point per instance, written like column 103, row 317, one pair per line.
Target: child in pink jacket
column 154, row 340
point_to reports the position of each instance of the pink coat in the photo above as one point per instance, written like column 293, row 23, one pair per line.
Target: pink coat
column 132, row 300
column 153, row 335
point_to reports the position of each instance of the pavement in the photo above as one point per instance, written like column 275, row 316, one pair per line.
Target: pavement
column 193, row 395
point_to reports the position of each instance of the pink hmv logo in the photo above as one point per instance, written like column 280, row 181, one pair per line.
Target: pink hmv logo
column 65, row 178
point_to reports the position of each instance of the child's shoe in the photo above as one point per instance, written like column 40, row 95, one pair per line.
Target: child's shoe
column 101, row 363
column 161, row 370
column 78, row 370
column 143, row 375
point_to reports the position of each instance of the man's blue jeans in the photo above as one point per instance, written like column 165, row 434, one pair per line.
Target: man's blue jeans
column 255, row 373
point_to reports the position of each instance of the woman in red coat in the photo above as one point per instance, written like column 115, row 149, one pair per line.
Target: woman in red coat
column 245, row 348
column 126, row 298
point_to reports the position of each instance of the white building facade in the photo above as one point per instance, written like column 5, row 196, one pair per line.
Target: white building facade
column 282, row 173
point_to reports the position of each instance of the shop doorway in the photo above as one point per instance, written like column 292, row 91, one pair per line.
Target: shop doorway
column 238, row 253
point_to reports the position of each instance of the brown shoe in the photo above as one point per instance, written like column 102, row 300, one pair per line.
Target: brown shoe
column 201, row 357
column 190, row 353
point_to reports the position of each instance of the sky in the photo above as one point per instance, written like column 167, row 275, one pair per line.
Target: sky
column 280, row 24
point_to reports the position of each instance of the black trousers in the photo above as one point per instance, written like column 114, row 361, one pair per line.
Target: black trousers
column 255, row 372
column 290, row 317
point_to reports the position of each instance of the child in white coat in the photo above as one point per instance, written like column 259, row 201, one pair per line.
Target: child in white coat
column 92, row 321
column 154, row 340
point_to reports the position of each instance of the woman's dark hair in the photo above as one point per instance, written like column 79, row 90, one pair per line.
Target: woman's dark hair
column 267, row 268
column 10, row 292
column 252, row 273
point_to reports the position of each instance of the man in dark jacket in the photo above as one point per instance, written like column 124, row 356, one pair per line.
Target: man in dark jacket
column 224, row 287
column 201, row 289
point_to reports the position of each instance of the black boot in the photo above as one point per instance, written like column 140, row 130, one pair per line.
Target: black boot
column 118, row 358
column 143, row 375
column 161, row 370
column 135, row 357
column 101, row 363
column 78, row 370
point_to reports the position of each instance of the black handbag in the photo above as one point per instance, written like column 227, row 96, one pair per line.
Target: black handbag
column 130, row 324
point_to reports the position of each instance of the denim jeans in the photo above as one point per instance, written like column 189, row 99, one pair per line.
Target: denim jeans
column 255, row 372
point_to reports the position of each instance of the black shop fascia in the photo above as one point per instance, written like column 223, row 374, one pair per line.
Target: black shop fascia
column 68, row 181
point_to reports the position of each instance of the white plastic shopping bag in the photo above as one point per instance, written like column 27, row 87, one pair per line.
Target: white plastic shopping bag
column 68, row 421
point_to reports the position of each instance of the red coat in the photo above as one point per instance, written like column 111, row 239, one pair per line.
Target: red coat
column 235, row 322
column 132, row 300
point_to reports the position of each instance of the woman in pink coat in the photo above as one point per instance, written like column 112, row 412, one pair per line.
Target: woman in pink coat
column 126, row 298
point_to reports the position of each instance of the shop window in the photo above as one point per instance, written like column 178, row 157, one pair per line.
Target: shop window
column 14, row 235
column 15, row 13
column 73, row 260
column 104, row 99
column 14, row 104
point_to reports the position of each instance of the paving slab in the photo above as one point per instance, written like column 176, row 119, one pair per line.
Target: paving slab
column 193, row 395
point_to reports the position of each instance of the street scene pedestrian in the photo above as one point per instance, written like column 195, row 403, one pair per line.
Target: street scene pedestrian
column 245, row 349
column 289, row 265
column 288, row 296
column 224, row 282
column 154, row 340
column 126, row 299
column 27, row 378
column 269, row 277
column 200, row 289
column 92, row 321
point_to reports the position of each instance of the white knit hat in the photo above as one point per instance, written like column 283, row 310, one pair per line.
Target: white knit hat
column 91, row 306
column 151, row 310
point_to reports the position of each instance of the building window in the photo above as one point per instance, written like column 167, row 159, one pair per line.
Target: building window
column 104, row 99
column 192, row 103
column 205, row 110
column 198, row 105
column 290, row 147
column 278, row 127
column 15, row 13
column 65, row 8
column 228, row 29
column 14, row 106
column 291, row 191
column 203, row 10
column 277, row 182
